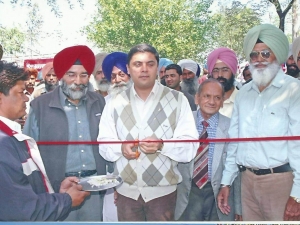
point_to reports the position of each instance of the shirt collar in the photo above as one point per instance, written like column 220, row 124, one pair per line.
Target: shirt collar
column 211, row 121
column 11, row 124
column 153, row 91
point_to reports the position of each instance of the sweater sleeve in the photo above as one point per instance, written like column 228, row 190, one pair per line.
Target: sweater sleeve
column 22, row 196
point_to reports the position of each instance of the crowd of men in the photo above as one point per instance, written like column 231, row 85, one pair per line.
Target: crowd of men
column 157, row 121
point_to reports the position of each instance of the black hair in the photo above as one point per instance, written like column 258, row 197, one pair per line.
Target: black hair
column 10, row 74
column 175, row 67
column 142, row 48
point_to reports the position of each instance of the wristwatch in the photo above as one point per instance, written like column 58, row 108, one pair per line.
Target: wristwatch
column 224, row 185
column 296, row 199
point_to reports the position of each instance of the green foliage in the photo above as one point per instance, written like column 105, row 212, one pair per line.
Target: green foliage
column 232, row 25
column 34, row 25
column 176, row 28
column 12, row 40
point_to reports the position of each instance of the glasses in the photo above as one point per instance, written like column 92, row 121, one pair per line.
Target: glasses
column 298, row 59
column 120, row 74
column 73, row 75
column 216, row 70
column 265, row 54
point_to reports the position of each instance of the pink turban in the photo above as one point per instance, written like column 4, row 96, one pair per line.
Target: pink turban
column 226, row 55
column 67, row 57
column 48, row 66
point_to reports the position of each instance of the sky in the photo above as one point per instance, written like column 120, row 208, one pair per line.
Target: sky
column 69, row 25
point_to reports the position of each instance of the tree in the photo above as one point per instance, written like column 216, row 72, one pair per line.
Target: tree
column 34, row 25
column 282, row 13
column 178, row 29
column 232, row 25
column 12, row 40
column 54, row 5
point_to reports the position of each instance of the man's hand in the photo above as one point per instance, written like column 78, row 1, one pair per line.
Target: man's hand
column 292, row 210
column 67, row 183
column 127, row 151
column 222, row 199
column 70, row 185
column 150, row 147
column 238, row 217
column 77, row 195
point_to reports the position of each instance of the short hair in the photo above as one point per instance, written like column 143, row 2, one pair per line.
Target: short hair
column 142, row 48
column 210, row 80
column 10, row 74
column 245, row 69
column 175, row 67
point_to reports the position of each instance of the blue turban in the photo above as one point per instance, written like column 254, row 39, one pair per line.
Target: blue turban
column 117, row 59
column 164, row 62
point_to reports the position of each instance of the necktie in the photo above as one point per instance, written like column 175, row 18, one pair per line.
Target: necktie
column 200, row 174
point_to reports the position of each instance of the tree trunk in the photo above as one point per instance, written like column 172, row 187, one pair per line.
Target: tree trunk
column 295, row 24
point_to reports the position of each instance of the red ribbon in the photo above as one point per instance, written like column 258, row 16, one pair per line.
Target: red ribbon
column 216, row 140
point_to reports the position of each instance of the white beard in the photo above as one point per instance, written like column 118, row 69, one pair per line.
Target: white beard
column 262, row 77
column 103, row 87
column 115, row 89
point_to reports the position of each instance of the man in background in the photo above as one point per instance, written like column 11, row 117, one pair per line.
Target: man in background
column 100, row 81
column 190, row 81
column 173, row 74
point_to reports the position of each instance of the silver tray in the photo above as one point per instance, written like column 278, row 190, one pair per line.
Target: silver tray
column 86, row 186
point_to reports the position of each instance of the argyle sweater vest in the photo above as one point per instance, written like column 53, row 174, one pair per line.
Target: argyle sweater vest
column 160, row 122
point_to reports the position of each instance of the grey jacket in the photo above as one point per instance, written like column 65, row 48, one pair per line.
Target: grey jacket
column 47, row 121
column 219, row 156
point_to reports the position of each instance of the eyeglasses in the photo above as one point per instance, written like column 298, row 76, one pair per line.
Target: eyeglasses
column 216, row 70
column 265, row 54
column 298, row 59
column 73, row 75
column 120, row 74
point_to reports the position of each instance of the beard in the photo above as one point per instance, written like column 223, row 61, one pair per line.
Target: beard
column 117, row 88
column 50, row 86
column 292, row 70
column 263, row 76
column 103, row 85
column 69, row 90
column 226, row 83
column 190, row 85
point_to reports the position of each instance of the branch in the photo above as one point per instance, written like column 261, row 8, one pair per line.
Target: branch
column 288, row 7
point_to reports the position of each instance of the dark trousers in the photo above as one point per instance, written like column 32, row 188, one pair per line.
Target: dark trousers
column 158, row 209
column 202, row 205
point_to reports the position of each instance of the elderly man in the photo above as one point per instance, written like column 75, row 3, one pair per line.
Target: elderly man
column 222, row 65
column 266, row 107
column 291, row 64
column 100, row 81
column 150, row 113
column 25, row 191
column 115, row 71
column 50, row 78
column 173, row 74
column 205, row 177
column 70, row 113
column 190, row 75
column 296, row 51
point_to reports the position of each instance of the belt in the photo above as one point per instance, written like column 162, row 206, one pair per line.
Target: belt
column 82, row 173
column 279, row 169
